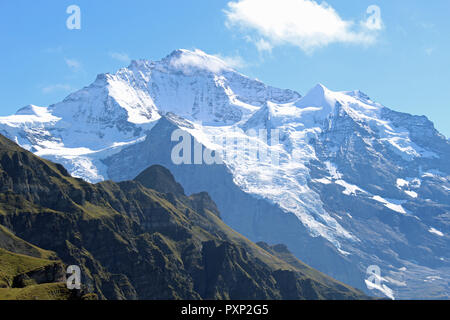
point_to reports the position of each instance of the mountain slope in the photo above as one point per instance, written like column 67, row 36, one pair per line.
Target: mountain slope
column 29, row 273
column 350, row 172
column 133, row 242
column 353, row 183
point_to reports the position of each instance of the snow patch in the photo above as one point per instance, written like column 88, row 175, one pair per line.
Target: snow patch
column 322, row 181
column 384, row 289
column 412, row 194
column 402, row 183
column 436, row 232
column 350, row 189
column 394, row 205
column 333, row 170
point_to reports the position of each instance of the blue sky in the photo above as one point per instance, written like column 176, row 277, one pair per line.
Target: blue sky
column 402, row 62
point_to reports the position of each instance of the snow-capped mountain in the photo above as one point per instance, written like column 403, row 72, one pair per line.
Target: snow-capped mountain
column 118, row 108
column 354, row 183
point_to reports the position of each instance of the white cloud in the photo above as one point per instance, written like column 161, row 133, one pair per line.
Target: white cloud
column 120, row 56
column 58, row 49
column 427, row 25
column 263, row 45
column 302, row 23
column 234, row 62
column 374, row 21
column 73, row 64
column 56, row 87
column 200, row 60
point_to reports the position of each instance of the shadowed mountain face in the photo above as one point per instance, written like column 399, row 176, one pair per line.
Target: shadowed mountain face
column 355, row 182
column 159, row 178
column 135, row 242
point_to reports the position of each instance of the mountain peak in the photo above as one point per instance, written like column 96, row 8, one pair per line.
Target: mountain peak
column 320, row 86
column 179, row 52
column 140, row 64
column 31, row 110
column 187, row 60
column 160, row 179
column 318, row 90
column 185, row 52
column 318, row 96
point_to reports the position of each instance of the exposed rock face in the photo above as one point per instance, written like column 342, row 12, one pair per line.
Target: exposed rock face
column 202, row 202
column 131, row 242
column 365, row 185
column 46, row 274
column 160, row 179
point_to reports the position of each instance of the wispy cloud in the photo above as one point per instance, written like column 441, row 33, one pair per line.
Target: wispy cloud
column 73, row 64
column 56, row 87
column 429, row 51
column 235, row 61
column 302, row 23
column 213, row 63
column 263, row 45
column 427, row 25
column 120, row 56
column 57, row 49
